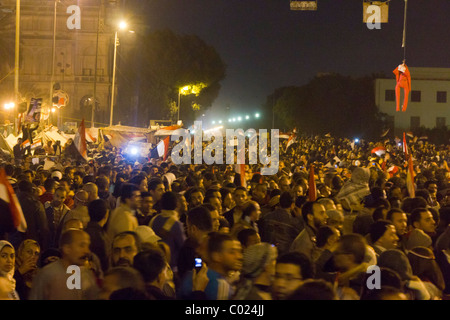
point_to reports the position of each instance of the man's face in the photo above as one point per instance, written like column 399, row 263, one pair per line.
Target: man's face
column 240, row 197
column 389, row 240
column 432, row 188
column 144, row 185
column 158, row 192
column 400, row 221
column 426, row 222
column 123, row 251
column 58, row 198
column 231, row 255
column 196, row 199
column 147, row 204
column 215, row 220
column 78, row 251
column 215, row 202
column 135, row 201
column 320, row 216
column 288, row 277
column 228, row 202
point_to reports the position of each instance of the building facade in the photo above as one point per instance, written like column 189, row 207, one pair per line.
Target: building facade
column 73, row 55
column 428, row 101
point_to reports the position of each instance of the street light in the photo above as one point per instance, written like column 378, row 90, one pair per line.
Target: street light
column 122, row 25
column 184, row 90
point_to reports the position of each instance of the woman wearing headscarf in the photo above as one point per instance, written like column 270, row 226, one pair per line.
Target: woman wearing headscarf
column 258, row 269
column 7, row 260
column 26, row 266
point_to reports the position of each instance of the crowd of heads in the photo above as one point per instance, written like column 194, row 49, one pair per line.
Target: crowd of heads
column 154, row 230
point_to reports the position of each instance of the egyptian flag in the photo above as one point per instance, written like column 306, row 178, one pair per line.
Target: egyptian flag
column 292, row 139
column 379, row 151
column 410, row 178
column 240, row 175
column 161, row 149
column 8, row 195
column 312, row 192
column 405, row 147
column 80, row 140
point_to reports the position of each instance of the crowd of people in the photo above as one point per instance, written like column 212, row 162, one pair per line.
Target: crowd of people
column 153, row 230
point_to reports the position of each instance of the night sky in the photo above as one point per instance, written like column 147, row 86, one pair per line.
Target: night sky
column 265, row 45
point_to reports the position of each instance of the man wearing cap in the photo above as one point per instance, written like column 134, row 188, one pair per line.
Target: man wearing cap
column 79, row 210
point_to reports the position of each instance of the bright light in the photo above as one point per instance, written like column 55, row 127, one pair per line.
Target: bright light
column 213, row 122
column 53, row 109
column 229, row 120
column 122, row 25
column 239, row 118
column 356, row 140
column 9, row 105
column 213, row 129
column 257, row 115
column 234, row 120
column 134, row 151
column 247, row 117
column 220, row 121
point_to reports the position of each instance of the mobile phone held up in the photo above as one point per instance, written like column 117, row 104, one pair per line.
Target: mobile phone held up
column 198, row 264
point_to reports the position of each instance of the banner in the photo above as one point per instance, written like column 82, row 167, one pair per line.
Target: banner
column 34, row 110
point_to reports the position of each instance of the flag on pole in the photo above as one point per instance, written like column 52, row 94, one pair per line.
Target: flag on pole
column 240, row 171
column 312, row 192
column 405, row 147
column 410, row 178
column 161, row 149
column 7, row 194
column 292, row 139
column 80, row 140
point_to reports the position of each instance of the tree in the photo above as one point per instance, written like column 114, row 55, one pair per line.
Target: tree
column 330, row 103
column 154, row 70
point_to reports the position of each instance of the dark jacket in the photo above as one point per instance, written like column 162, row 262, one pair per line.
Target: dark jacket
column 100, row 243
column 34, row 213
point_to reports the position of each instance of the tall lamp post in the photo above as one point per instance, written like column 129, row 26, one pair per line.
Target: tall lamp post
column 53, row 55
column 122, row 25
column 184, row 90
column 16, row 63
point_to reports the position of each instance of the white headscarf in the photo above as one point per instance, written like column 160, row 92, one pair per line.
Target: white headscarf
column 10, row 275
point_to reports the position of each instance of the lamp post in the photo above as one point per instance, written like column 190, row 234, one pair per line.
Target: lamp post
column 184, row 89
column 53, row 54
column 122, row 25
column 16, row 62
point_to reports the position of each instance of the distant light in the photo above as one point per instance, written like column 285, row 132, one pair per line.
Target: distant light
column 239, row 118
column 399, row 144
column 134, row 151
column 193, row 131
column 213, row 122
column 356, row 140
column 122, row 25
column 9, row 105
column 234, row 119
column 229, row 120
column 220, row 121
column 53, row 109
column 247, row 117
column 257, row 115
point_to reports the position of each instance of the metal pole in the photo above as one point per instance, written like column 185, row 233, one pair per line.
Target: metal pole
column 16, row 65
column 53, row 57
column 179, row 93
column 96, row 63
column 113, row 80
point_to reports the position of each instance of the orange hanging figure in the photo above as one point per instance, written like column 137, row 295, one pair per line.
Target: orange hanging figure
column 403, row 78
